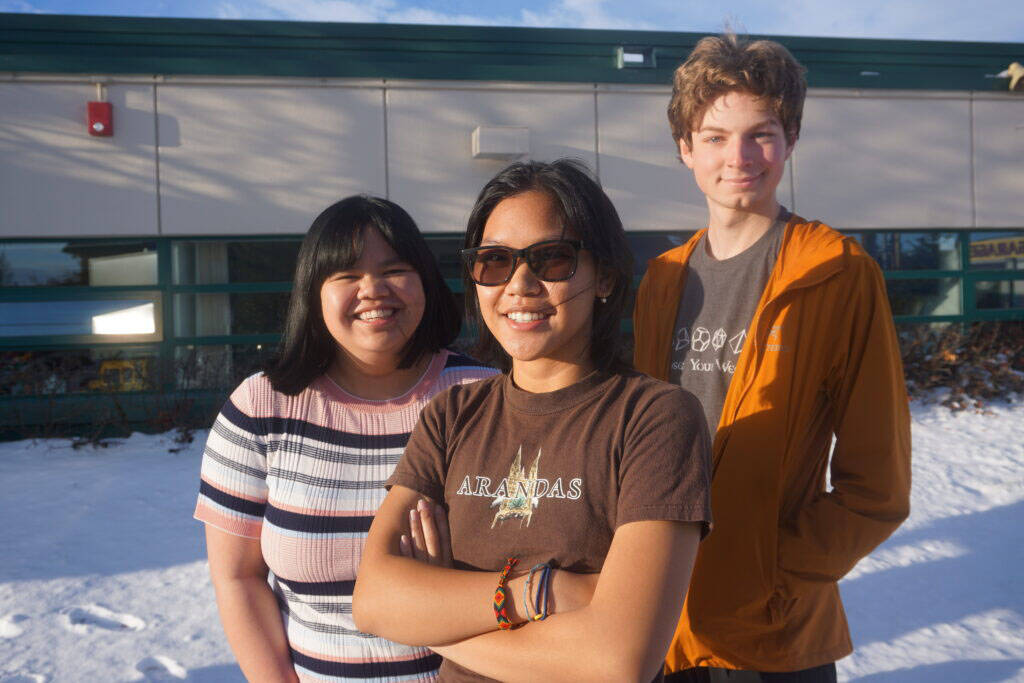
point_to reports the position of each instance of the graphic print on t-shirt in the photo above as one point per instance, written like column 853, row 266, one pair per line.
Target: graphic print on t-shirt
column 716, row 307
column 519, row 493
column 520, row 496
column 699, row 339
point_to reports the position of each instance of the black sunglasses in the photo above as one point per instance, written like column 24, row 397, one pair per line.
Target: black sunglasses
column 550, row 260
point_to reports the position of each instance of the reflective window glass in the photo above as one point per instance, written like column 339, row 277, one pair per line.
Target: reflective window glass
column 997, row 250
column 880, row 245
column 210, row 262
column 925, row 250
column 218, row 367
column 997, row 294
column 928, row 251
column 71, row 371
column 646, row 246
column 930, row 296
column 101, row 317
column 446, row 251
column 201, row 315
column 74, row 263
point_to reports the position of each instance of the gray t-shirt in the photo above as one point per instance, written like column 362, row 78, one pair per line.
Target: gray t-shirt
column 718, row 302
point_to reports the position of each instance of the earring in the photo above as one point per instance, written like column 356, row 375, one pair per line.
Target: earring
column 603, row 299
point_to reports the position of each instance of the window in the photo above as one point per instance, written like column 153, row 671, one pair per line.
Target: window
column 1002, row 250
column 209, row 262
column 924, row 296
column 31, row 372
column 87, row 263
column 221, row 313
column 912, row 250
column 998, row 294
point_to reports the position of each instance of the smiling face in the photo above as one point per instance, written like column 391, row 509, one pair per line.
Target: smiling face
column 542, row 325
column 738, row 155
column 373, row 308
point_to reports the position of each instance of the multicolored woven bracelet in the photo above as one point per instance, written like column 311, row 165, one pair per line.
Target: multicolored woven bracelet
column 501, row 596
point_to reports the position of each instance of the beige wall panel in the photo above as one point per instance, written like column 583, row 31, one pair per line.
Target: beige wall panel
column 640, row 167
column 641, row 170
column 57, row 180
column 431, row 169
column 264, row 160
column 884, row 162
column 999, row 163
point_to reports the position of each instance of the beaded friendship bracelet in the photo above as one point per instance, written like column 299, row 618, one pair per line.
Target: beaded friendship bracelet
column 501, row 596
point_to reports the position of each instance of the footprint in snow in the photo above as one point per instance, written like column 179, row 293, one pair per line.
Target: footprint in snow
column 9, row 626
column 161, row 668
column 86, row 618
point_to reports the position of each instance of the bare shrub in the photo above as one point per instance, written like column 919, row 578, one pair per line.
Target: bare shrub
column 976, row 363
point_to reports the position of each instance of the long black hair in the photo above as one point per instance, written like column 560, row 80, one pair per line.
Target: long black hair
column 588, row 214
column 335, row 242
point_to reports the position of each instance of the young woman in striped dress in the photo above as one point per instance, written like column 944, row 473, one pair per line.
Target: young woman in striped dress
column 294, row 467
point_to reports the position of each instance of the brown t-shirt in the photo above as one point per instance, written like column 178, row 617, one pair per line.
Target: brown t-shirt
column 549, row 477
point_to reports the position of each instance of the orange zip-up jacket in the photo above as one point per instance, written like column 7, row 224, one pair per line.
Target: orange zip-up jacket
column 821, row 359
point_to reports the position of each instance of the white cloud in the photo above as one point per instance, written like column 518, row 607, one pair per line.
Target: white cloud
column 983, row 20
column 562, row 13
column 580, row 14
column 370, row 11
column 19, row 6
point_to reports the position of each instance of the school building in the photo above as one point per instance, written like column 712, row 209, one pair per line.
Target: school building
column 156, row 175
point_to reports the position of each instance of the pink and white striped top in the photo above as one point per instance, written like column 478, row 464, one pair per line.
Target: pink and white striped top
column 305, row 474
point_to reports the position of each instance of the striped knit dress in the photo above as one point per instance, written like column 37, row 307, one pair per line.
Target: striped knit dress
column 305, row 474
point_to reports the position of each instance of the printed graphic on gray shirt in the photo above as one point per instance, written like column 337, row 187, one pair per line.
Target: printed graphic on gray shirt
column 717, row 304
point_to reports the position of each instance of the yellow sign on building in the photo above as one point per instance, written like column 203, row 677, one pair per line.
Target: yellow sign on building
column 997, row 249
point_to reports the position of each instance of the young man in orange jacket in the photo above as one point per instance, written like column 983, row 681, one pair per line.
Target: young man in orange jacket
column 782, row 328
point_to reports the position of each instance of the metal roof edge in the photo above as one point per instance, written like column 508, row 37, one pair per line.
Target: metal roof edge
column 141, row 45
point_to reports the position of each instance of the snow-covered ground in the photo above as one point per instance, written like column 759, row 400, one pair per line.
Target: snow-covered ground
column 103, row 577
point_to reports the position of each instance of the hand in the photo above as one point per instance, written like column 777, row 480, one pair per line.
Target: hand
column 430, row 540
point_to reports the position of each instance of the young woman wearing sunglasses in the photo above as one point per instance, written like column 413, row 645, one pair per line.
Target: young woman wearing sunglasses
column 568, row 464
column 295, row 464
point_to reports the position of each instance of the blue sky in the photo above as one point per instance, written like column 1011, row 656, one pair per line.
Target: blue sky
column 985, row 20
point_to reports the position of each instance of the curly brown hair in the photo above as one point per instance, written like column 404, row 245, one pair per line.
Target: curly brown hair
column 727, row 63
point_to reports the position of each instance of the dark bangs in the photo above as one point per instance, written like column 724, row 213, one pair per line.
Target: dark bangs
column 335, row 242
column 584, row 211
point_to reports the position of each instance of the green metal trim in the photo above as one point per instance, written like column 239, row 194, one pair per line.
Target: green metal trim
column 164, row 263
column 984, row 315
column 234, row 288
column 994, row 275
column 128, row 45
column 967, row 289
column 921, row 274
column 909, row 319
column 76, row 293
column 78, row 341
column 277, row 237
column 69, row 414
column 227, row 339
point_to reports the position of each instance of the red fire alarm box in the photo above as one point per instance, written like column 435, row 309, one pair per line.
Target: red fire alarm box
column 100, row 119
